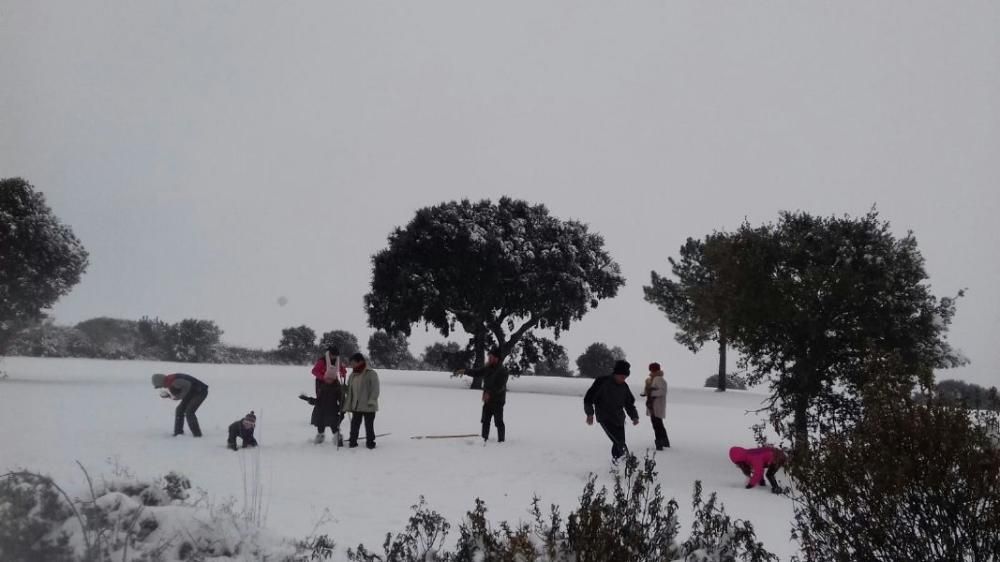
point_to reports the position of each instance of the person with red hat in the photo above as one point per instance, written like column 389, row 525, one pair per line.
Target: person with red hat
column 656, row 405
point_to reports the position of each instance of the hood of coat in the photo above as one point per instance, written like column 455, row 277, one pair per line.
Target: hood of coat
column 738, row 455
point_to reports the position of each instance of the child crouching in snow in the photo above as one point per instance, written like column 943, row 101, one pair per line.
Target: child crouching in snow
column 754, row 462
column 243, row 428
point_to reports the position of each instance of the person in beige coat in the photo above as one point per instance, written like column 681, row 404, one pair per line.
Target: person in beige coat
column 656, row 405
column 361, row 400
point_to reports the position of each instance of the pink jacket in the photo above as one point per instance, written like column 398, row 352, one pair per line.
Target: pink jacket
column 319, row 369
column 757, row 459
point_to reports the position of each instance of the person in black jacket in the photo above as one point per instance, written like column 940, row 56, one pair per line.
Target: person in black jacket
column 610, row 398
column 243, row 428
column 494, row 376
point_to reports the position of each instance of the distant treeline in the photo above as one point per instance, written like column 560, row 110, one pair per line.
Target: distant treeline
column 189, row 341
column 963, row 394
column 199, row 341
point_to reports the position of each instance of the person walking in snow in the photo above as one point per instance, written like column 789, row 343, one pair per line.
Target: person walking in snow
column 656, row 404
column 361, row 400
column 494, row 376
column 190, row 391
column 758, row 463
column 243, row 428
column 611, row 399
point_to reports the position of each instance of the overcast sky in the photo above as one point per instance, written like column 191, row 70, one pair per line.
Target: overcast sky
column 214, row 157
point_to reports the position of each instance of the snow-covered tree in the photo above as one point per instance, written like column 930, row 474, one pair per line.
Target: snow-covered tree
column 598, row 360
column 194, row 341
column 298, row 344
column 701, row 301
column 498, row 270
column 540, row 356
column 389, row 351
column 836, row 292
column 344, row 341
column 40, row 258
column 446, row 356
column 114, row 338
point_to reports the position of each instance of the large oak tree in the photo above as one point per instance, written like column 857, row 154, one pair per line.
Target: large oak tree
column 497, row 270
column 826, row 295
column 40, row 258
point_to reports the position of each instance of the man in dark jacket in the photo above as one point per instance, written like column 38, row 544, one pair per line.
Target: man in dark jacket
column 190, row 391
column 494, row 376
column 610, row 398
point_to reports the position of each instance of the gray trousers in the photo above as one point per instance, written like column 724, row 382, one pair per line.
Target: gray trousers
column 186, row 410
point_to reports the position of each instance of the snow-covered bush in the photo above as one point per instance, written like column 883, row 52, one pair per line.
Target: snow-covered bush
column 132, row 520
column 31, row 512
column 632, row 522
column 911, row 481
column 732, row 382
column 716, row 537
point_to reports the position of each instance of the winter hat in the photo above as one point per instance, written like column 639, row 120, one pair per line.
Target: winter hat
column 357, row 357
column 622, row 367
column 159, row 380
column 251, row 417
column 332, row 350
column 653, row 367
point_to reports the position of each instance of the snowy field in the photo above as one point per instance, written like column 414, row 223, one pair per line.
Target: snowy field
column 54, row 412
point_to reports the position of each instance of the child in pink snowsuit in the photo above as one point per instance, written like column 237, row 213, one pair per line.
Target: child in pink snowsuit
column 753, row 463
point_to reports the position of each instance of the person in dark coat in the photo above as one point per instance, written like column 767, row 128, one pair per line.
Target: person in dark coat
column 610, row 399
column 326, row 409
column 243, row 428
column 190, row 391
column 494, row 376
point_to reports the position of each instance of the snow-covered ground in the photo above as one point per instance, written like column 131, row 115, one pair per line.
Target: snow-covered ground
column 102, row 413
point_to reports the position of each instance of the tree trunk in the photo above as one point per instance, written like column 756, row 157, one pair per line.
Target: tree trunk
column 479, row 348
column 5, row 337
column 801, row 423
column 722, row 357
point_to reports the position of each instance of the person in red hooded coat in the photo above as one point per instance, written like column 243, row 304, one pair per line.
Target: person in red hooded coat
column 758, row 463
